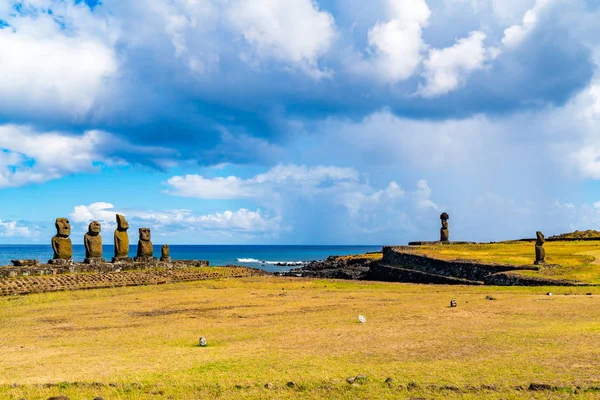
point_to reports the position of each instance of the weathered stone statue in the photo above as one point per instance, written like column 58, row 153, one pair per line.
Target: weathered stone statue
column 164, row 253
column 93, row 244
column 121, row 240
column 61, row 244
column 145, row 250
column 444, row 234
column 540, row 253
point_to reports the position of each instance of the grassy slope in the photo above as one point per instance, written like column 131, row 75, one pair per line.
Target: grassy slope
column 577, row 259
column 269, row 329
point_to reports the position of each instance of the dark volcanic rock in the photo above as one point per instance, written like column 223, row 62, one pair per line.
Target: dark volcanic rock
column 25, row 263
column 334, row 267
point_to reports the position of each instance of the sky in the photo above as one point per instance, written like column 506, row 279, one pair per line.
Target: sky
column 299, row 121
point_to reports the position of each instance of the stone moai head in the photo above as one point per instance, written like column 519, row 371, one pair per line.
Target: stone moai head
column 444, row 218
column 540, row 237
column 63, row 227
column 165, row 250
column 94, row 228
column 145, row 234
column 122, row 223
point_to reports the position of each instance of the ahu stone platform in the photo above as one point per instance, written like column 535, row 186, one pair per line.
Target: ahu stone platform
column 70, row 267
column 27, row 284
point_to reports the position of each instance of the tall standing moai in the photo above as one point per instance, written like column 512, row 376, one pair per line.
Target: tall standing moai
column 121, row 240
column 145, row 251
column 164, row 253
column 540, row 253
column 93, row 244
column 444, row 234
column 61, row 244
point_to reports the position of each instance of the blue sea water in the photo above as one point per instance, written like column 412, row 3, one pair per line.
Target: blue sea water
column 264, row 257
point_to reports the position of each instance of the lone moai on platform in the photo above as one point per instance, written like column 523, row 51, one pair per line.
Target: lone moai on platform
column 93, row 244
column 164, row 253
column 61, row 244
column 540, row 253
column 444, row 234
column 145, row 251
column 121, row 240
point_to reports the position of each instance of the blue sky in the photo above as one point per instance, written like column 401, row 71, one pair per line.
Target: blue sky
column 300, row 121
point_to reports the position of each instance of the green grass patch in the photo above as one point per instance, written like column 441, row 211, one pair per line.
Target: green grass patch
column 569, row 260
column 263, row 332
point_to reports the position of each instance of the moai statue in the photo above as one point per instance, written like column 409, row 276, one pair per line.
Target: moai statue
column 121, row 240
column 164, row 253
column 93, row 244
column 444, row 234
column 61, row 244
column 145, row 250
column 540, row 253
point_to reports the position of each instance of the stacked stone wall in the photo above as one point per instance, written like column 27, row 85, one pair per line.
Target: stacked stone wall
column 72, row 268
column 95, row 280
column 470, row 270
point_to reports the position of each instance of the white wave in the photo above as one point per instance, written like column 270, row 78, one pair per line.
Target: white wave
column 254, row 260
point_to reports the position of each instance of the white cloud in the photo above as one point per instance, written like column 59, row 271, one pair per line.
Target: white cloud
column 29, row 156
column 64, row 69
column 305, row 180
column 164, row 223
column 13, row 229
column 422, row 196
column 359, row 202
column 304, row 197
column 594, row 108
column 397, row 45
column 447, row 69
column 514, row 35
column 294, row 32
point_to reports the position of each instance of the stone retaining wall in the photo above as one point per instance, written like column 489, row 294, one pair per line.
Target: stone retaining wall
column 95, row 280
column 470, row 270
column 387, row 273
column 48, row 269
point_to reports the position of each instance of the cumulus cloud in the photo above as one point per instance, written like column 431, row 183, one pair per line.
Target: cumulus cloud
column 397, row 44
column 516, row 34
column 62, row 57
column 447, row 69
column 282, row 177
column 30, row 157
column 14, row 229
column 168, row 222
column 302, row 196
column 295, row 32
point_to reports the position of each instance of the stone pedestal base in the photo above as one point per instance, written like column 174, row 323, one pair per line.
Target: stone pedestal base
column 121, row 259
column 165, row 259
column 61, row 261
column 145, row 259
column 94, row 260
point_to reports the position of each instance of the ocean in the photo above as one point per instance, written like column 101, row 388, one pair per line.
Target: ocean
column 264, row 257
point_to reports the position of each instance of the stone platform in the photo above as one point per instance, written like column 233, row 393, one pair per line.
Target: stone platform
column 27, row 284
column 100, row 267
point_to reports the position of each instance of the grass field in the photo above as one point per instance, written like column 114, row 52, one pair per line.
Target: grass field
column 576, row 260
column 141, row 342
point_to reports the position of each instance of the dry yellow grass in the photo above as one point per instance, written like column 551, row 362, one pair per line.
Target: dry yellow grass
column 141, row 342
column 576, row 260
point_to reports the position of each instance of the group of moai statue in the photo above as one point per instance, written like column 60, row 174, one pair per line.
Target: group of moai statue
column 540, row 252
column 63, row 249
